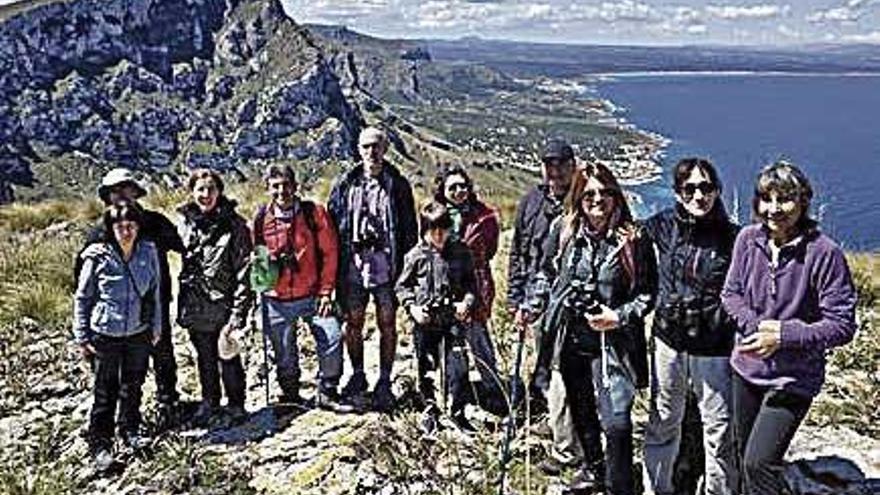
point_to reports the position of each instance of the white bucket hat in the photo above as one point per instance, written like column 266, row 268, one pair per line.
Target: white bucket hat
column 117, row 177
column 230, row 346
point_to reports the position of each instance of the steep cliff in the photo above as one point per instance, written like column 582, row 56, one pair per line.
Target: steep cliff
column 159, row 85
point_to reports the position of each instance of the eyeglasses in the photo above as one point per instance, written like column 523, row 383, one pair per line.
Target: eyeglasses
column 595, row 193
column 457, row 186
column 689, row 189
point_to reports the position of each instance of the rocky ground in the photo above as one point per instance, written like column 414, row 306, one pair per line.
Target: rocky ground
column 46, row 399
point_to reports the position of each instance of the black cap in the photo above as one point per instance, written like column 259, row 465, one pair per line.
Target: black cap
column 557, row 149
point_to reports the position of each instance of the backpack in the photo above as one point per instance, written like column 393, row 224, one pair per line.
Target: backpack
column 308, row 209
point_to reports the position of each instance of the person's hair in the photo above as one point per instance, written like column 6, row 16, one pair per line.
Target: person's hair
column 377, row 132
column 204, row 173
column 784, row 178
column 434, row 215
column 574, row 217
column 685, row 166
column 449, row 170
column 276, row 171
column 120, row 211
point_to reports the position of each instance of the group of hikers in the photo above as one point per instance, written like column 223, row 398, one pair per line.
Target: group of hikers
column 742, row 317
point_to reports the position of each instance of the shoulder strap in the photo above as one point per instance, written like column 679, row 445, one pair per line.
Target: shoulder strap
column 308, row 209
column 259, row 225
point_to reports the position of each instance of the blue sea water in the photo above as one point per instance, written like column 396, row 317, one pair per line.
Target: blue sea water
column 829, row 125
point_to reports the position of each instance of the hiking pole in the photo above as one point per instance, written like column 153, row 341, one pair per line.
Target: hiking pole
column 606, row 379
column 265, row 368
column 514, row 399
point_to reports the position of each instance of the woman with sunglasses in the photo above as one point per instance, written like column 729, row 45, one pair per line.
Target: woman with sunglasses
column 692, row 335
column 117, row 321
column 599, row 281
column 791, row 293
column 475, row 224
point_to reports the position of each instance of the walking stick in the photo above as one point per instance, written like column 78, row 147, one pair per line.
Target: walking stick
column 510, row 429
column 264, row 370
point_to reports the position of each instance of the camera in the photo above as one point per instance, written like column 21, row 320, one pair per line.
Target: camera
column 441, row 310
column 371, row 236
column 584, row 298
column 683, row 312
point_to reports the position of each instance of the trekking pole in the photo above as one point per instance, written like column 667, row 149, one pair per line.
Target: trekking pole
column 264, row 368
column 606, row 379
column 514, row 399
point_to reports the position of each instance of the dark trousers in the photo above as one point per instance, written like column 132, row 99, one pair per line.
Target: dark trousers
column 212, row 368
column 765, row 420
column 432, row 345
column 164, row 365
column 612, row 402
column 581, row 396
column 540, row 382
column 120, row 367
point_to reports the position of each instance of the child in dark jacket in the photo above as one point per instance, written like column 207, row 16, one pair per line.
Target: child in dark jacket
column 437, row 288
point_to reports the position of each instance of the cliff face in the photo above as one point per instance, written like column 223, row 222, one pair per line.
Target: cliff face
column 155, row 84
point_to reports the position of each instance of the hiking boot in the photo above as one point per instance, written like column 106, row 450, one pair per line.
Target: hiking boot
column 356, row 386
column 428, row 420
column 587, row 480
column 329, row 400
column 551, row 466
column 461, row 422
column 204, row 415
column 237, row 414
column 167, row 416
column 135, row 442
column 102, row 460
column 383, row 398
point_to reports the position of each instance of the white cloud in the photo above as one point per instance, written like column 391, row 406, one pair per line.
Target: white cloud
column 872, row 37
column 735, row 12
column 331, row 10
column 697, row 29
column 837, row 14
column 849, row 13
column 788, row 32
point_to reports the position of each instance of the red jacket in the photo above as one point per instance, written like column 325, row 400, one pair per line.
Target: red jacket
column 301, row 279
column 480, row 232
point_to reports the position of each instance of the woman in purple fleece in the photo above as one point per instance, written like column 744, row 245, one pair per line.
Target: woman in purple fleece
column 792, row 296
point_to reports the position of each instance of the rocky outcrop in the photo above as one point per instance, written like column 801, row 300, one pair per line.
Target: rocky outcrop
column 155, row 85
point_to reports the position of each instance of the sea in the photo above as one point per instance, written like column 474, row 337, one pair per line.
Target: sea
column 828, row 125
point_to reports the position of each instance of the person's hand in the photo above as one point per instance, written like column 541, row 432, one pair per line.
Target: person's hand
column 325, row 306
column 605, row 320
column 87, row 350
column 156, row 338
column 419, row 314
column 766, row 341
column 523, row 317
column 462, row 310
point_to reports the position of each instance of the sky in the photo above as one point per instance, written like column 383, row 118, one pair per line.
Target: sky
column 618, row 22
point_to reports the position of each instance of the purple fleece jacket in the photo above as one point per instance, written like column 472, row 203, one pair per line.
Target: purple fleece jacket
column 811, row 292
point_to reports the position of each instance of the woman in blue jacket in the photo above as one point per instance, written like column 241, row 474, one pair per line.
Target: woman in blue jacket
column 598, row 281
column 117, row 320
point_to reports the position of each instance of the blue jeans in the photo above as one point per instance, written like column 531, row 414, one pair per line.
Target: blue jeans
column 280, row 322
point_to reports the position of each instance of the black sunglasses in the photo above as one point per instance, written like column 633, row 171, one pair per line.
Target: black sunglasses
column 594, row 193
column 457, row 185
column 690, row 188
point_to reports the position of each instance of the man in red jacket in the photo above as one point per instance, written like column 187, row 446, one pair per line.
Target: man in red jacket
column 301, row 240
